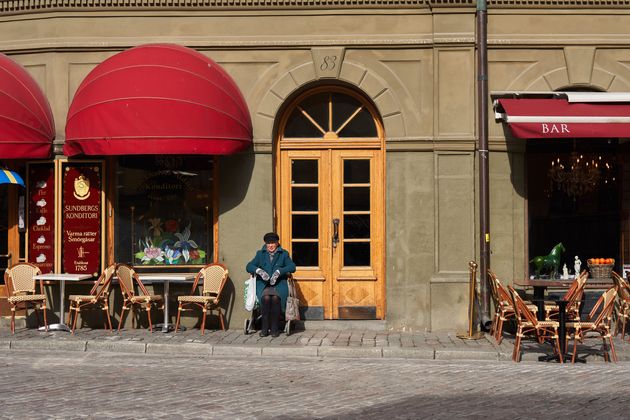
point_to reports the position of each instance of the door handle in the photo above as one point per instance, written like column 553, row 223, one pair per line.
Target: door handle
column 335, row 239
column 5, row 255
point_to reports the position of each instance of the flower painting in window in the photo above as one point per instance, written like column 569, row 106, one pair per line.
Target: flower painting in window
column 164, row 207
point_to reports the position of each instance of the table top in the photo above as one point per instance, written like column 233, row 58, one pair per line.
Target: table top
column 563, row 284
column 63, row 276
column 174, row 277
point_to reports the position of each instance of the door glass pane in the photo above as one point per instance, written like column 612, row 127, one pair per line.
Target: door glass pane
column 356, row 226
column 305, row 226
column 356, row 198
column 356, row 254
column 356, row 171
column 305, row 254
column 304, row 171
column 304, row 198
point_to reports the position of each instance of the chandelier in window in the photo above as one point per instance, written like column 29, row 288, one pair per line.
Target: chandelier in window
column 580, row 174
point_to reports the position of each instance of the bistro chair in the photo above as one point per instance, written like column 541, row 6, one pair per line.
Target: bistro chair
column 127, row 277
column 573, row 296
column 600, row 325
column 98, row 297
column 214, row 278
column 20, row 281
column 528, row 324
column 623, row 308
column 504, row 309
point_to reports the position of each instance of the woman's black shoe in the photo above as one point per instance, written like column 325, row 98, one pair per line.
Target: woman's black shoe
column 275, row 334
column 263, row 334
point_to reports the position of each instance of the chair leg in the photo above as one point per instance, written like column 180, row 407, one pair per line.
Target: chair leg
column 149, row 317
column 122, row 317
column 612, row 349
column 109, row 319
column 623, row 325
column 557, row 342
column 12, row 320
column 605, row 349
column 517, row 346
column 179, row 313
column 221, row 319
column 204, row 314
column 499, row 331
column 37, row 314
column 76, row 315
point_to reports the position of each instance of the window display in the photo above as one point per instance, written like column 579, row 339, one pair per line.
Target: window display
column 164, row 210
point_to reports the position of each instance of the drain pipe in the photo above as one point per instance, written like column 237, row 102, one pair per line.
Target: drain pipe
column 484, row 201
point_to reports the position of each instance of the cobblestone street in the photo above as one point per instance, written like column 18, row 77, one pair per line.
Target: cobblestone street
column 115, row 385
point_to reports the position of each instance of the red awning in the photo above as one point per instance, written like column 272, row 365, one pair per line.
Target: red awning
column 27, row 128
column 571, row 116
column 158, row 99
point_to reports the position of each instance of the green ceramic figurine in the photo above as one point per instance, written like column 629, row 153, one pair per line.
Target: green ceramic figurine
column 549, row 263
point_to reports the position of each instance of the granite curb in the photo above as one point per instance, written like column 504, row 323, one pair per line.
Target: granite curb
column 208, row 350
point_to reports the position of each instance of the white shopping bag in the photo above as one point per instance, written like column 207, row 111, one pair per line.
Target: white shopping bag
column 250, row 293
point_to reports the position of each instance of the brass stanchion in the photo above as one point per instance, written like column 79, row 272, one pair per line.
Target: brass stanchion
column 472, row 333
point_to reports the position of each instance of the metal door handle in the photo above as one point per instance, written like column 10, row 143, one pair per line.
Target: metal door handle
column 5, row 255
column 335, row 239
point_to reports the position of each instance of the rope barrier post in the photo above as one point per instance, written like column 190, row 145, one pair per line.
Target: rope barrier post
column 472, row 333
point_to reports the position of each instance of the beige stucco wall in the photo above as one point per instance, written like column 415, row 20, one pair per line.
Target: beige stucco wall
column 416, row 64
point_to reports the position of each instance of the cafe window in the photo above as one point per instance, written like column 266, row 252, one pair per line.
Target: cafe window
column 164, row 211
column 575, row 196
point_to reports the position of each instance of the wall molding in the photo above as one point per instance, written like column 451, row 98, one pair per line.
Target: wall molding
column 11, row 7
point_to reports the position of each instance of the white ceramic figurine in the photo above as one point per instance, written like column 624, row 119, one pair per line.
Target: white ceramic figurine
column 577, row 266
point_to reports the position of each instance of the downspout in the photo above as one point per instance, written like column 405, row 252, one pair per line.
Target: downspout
column 484, row 201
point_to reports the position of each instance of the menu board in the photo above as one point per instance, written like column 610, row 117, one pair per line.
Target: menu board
column 41, row 215
column 81, row 217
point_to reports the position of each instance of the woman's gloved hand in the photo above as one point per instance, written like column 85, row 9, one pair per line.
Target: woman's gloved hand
column 263, row 274
column 274, row 277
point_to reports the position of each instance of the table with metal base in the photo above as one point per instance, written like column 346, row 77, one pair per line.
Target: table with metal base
column 62, row 279
column 167, row 278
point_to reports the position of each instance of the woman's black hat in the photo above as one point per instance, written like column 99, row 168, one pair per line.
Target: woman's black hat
column 271, row 238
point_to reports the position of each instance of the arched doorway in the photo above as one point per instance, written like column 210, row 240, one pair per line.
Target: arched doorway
column 330, row 178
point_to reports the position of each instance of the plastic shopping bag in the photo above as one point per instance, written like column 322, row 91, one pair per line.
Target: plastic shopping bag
column 250, row 293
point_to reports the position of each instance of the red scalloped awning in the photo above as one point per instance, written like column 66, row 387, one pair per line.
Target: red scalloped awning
column 158, row 99
column 27, row 128
column 530, row 118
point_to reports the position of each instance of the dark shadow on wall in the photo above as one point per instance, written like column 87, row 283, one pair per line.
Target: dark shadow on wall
column 235, row 175
column 516, row 149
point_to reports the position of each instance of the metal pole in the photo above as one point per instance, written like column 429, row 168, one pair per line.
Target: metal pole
column 484, row 201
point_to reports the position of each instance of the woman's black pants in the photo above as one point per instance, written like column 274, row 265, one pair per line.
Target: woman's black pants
column 270, row 311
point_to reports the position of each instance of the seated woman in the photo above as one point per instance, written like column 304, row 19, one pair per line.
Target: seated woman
column 271, row 265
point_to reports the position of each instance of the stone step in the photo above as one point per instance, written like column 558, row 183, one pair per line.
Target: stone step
column 357, row 325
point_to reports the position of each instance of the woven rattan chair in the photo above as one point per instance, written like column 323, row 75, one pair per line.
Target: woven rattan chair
column 20, row 281
column 214, row 278
column 504, row 310
column 573, row 296
column 98, row 297
column 623, row 307
column 600, row 325
column 127, row 277
column 528, row 325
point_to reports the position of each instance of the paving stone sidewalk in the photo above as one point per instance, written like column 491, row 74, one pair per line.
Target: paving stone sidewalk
column 307, row 343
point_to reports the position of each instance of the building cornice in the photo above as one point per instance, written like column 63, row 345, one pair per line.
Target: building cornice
column 12, row 7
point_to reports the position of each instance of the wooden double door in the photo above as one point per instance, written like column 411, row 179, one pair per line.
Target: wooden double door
column 331, row 220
